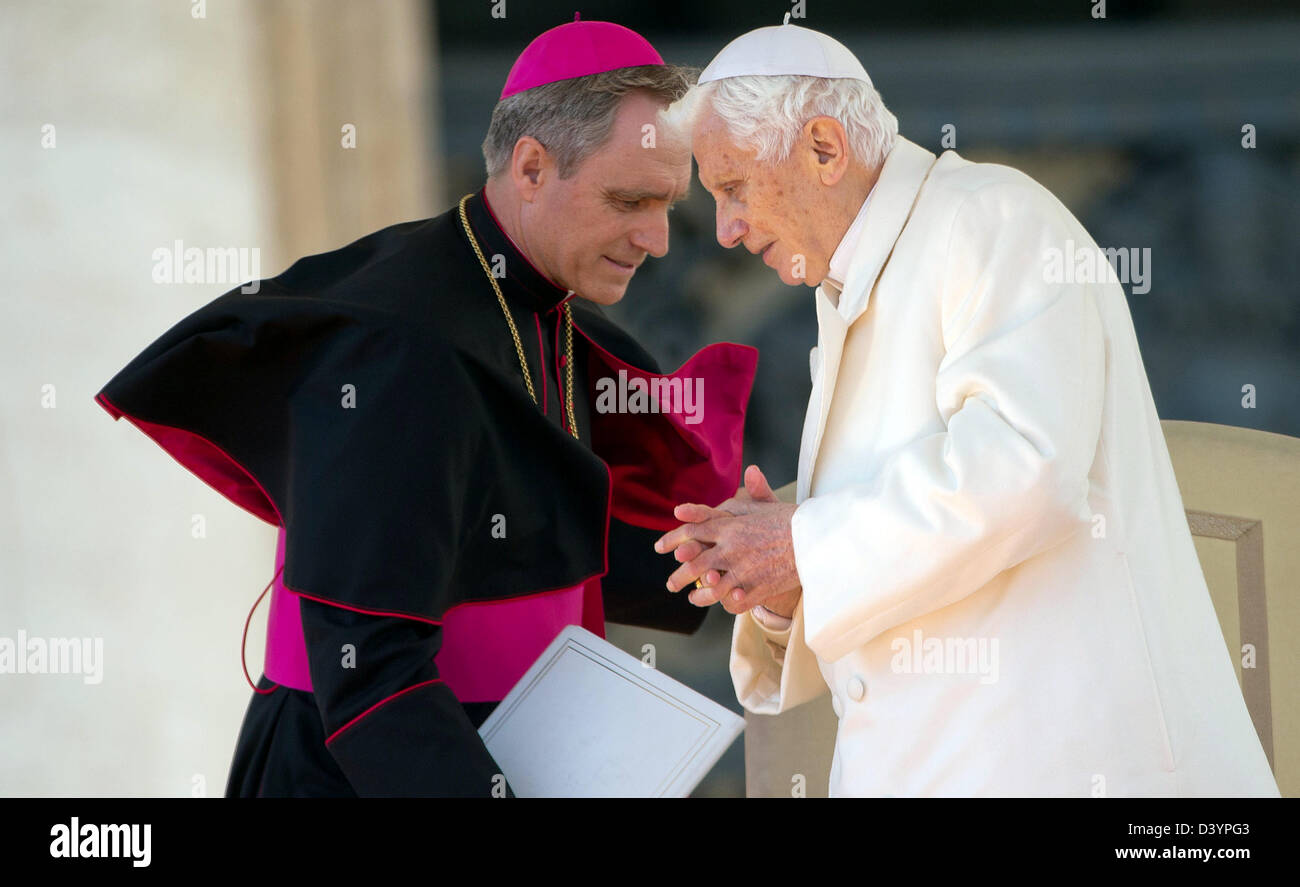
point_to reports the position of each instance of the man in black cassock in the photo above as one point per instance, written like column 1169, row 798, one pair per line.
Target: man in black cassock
column 419, row 413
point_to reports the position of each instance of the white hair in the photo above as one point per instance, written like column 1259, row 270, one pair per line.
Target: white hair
column 766, row 113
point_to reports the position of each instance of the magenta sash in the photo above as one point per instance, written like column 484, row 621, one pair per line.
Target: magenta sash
column 486, row 645
column 286, row 649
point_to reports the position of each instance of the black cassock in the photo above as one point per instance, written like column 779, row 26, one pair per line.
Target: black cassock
column 437, row 527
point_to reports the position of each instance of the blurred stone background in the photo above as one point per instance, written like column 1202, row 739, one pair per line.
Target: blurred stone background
column 224, row 129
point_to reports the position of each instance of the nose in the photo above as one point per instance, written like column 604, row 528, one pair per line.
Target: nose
column 652, row 237
column 731, row 227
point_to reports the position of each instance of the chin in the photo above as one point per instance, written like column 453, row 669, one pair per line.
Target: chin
column 791, row 280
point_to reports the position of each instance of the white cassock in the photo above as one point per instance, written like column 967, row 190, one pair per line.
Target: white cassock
column 999, row 585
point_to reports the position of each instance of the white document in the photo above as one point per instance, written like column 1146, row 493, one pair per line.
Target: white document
column 588, row 720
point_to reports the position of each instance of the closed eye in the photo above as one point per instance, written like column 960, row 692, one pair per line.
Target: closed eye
column 629, row 203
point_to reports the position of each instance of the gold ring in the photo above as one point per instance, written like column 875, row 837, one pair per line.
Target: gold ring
column 699, row 583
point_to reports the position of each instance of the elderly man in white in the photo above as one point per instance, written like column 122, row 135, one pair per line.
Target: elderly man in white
column 989, row 564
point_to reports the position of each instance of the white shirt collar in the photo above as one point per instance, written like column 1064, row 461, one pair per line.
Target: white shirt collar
column 844, row 252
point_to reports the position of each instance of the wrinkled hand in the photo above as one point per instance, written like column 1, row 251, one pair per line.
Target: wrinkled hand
column 743, row 550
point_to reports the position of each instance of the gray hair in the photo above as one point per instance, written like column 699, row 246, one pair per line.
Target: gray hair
column 766, row 113
column 573, row 118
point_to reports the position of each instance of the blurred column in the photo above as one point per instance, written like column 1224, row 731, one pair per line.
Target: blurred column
column 350, row 127
column 126, row 128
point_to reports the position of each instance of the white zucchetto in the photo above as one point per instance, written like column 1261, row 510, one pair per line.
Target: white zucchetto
column 785, row 49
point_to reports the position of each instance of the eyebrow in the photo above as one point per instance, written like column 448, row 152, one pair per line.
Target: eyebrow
column 645, row 194
column 720, row 185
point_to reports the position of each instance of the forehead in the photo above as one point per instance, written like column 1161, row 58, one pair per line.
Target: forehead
column 715, row 151
column 639, row 150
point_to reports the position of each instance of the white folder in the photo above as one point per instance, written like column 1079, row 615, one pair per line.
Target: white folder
column 588, row 720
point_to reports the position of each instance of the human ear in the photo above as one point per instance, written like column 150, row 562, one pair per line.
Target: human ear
column 829, row 144
column 528, row 166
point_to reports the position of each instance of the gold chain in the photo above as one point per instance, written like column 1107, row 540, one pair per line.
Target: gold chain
column 568, row 366
column 514, row 331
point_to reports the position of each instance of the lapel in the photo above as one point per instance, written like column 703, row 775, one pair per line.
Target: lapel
column 901, row 177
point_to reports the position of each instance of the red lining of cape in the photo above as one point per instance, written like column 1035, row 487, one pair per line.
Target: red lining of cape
column 180, row 442
column 632, row 510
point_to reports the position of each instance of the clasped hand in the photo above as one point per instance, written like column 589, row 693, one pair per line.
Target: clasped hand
column 743, row 550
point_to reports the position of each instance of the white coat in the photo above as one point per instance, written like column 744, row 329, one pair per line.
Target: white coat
column 999, row 585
